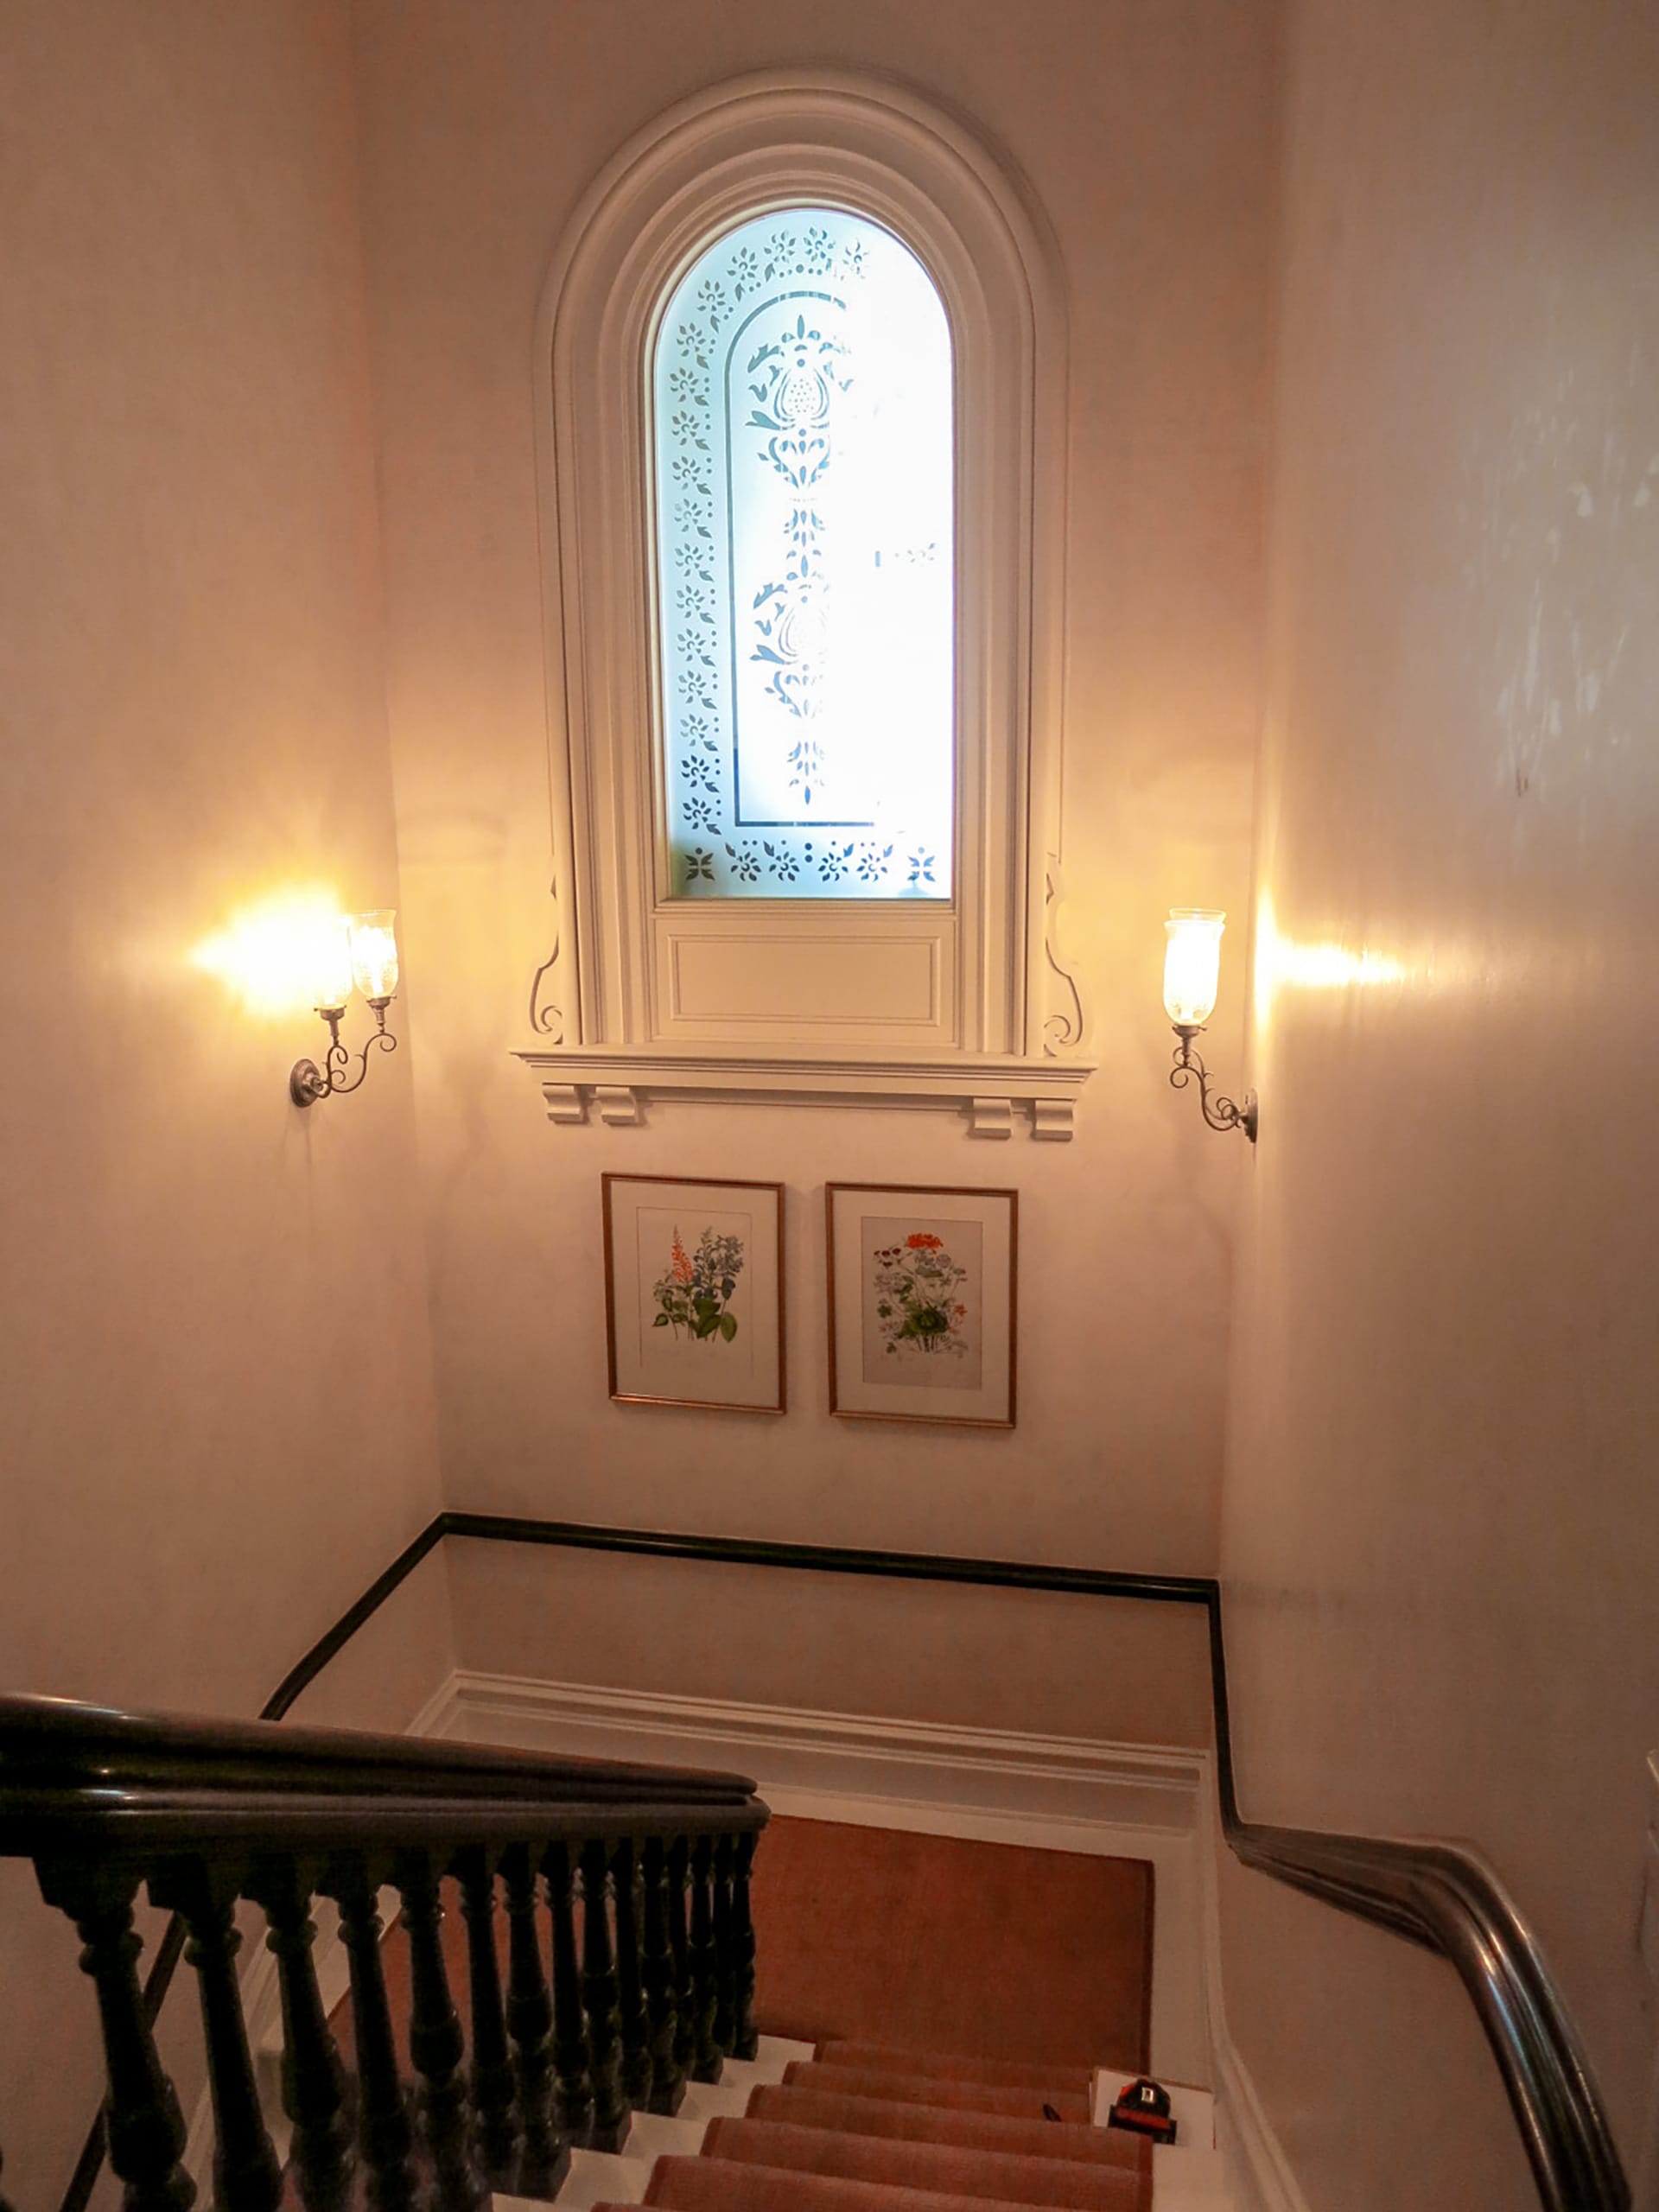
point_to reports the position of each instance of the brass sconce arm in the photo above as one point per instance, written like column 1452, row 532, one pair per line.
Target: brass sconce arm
column 306, row 1082
column 1221, row 1112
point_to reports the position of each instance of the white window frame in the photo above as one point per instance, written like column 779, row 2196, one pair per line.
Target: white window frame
column 992, row 1023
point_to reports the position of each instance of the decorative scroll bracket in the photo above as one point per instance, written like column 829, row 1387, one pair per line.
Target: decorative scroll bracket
column 1063, row 1029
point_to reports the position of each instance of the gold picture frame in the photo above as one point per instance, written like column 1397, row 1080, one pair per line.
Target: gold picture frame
column 922, row 1303
column 693, row 1292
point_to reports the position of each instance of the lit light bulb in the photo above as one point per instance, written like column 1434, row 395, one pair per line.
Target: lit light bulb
column 331, row 966
column 374, row 953
column 1191, row 964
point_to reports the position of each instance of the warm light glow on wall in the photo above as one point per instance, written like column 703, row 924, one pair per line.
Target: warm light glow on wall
column 282, row 955
column 1288, row 963
column 1333, row 967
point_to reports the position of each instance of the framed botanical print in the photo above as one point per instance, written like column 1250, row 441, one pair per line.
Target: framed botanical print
column 922, row 1303
column 693, row 1292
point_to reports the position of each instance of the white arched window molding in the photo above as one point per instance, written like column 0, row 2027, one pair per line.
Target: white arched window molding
column 959, row 1002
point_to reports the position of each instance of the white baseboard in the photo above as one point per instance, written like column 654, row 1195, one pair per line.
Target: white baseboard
column 1035, row 1778
column 1260, row 2176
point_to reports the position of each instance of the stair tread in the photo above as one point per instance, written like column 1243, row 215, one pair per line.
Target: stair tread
column 722, row 2185
column 950, row 2066
column 961, row 2169
column 910, row 2121
column 968, row 2096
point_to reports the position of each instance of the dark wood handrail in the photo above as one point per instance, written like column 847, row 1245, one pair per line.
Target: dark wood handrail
column 102, row 1755
column 94, row 1780
column 289, row 1822
column 1440, row 1896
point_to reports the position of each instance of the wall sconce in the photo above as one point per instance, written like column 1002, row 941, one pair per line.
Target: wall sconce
column 1191, row 977
column 361, row 950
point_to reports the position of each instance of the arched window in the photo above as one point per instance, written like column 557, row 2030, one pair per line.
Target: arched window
column 802, row 432
column 802, row 476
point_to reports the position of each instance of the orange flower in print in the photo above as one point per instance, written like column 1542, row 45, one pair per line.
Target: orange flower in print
column 695, row 1292
column 921, row 1242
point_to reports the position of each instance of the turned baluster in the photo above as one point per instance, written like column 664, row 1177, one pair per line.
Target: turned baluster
column 705, row 1965
column 383, row 2134
column 247, row 2175
column 599, row 1997
column 657, row 1974
column 630, row 1985
column 747, row 2039
column 314, row 2080
column 725, row 2030
column 493, row 2090
column 435, row 2044
column 575, row 2090
column 685, row 2028
column 143, row 2125
column 545, row 2157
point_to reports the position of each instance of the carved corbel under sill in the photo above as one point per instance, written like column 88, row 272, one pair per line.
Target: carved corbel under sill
column 991, row 1093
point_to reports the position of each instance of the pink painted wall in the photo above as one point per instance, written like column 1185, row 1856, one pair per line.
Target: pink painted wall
column 1146, row 135
column 1441, row 1531
column 214, row 1358
column 954, row 1654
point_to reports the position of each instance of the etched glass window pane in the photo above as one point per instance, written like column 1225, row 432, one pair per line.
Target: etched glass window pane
column 804, row 449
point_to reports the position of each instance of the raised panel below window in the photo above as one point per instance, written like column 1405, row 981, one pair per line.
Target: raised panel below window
column 774, row 977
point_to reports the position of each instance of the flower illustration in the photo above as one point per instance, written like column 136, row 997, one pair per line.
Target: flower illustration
column 695, row 1291
column 916, row 1303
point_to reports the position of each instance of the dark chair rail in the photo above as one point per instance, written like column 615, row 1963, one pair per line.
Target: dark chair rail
column 1437, row 1895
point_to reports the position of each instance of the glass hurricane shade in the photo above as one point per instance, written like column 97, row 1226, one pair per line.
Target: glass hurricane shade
column 374, row 952
column 1191, row 964
column 331, row 964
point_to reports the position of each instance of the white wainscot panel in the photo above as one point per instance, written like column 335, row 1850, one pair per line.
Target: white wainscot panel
column 782, row 984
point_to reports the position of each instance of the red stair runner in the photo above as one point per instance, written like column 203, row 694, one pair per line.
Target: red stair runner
column 1071, row 2104
column 950, row 2169
column 861, row 2127
column 1039, row 2138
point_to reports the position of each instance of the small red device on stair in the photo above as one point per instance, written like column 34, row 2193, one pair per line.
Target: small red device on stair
column 1143, row 2108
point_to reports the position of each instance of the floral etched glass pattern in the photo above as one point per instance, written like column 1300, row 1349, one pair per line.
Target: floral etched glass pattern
column 802, row 419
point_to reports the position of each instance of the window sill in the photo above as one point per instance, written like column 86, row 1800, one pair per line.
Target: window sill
column 988, row 1091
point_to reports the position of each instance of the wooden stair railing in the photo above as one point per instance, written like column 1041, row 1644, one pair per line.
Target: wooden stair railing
column 606, row 1859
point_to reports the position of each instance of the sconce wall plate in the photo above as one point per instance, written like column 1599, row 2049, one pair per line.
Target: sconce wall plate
column 1221, row 1112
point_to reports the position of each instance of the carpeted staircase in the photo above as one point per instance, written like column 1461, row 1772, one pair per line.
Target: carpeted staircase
column 860, row 2127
